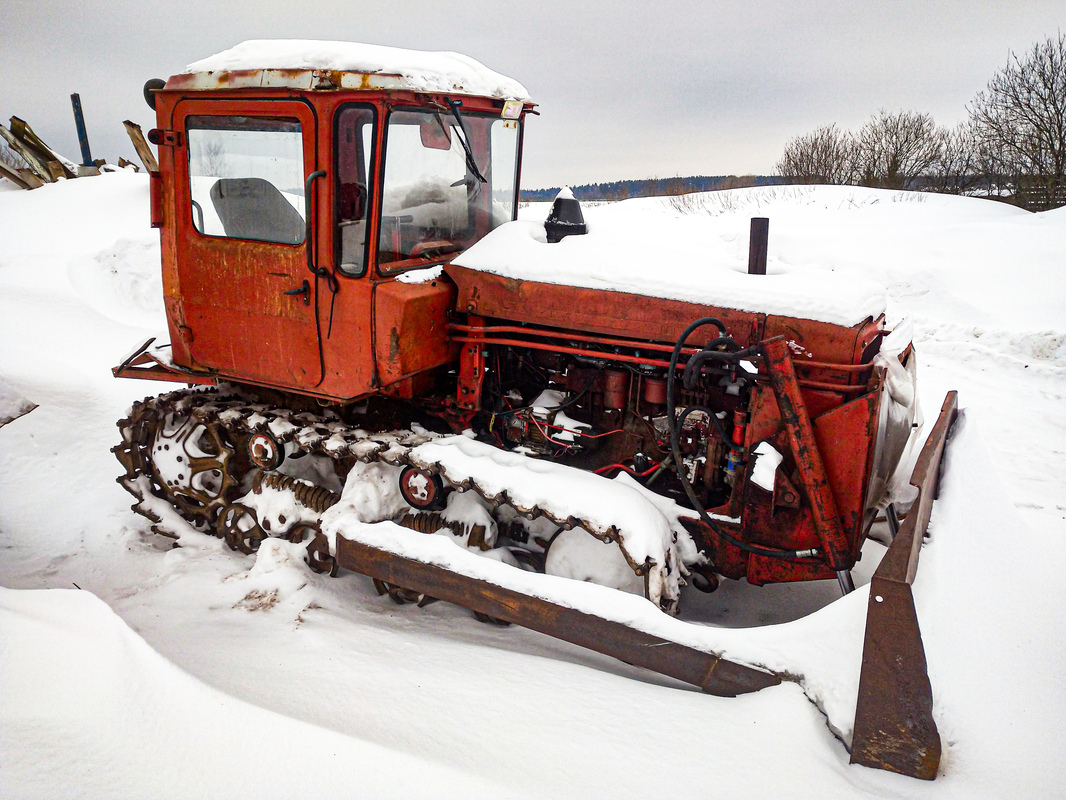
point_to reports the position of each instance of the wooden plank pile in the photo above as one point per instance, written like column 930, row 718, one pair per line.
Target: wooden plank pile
column 44, row 165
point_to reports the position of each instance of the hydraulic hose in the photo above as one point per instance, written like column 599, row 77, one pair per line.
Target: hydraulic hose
column 679, row 467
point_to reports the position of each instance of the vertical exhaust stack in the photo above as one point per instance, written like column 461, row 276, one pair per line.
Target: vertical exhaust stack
column 760, row 233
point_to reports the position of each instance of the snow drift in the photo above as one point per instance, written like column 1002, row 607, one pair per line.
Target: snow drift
column 213, row 673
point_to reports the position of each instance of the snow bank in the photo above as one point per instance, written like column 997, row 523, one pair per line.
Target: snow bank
column 993, row 641
column 88, row 709
column 294, row 684
column 419, row 70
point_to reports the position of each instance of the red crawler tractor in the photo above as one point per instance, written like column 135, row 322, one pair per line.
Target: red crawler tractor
column 316, row 205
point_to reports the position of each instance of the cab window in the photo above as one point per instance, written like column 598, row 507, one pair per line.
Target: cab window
column 246, row 178
column 354, row 132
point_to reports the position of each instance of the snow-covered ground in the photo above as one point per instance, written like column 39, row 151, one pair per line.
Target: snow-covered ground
column 130, row 669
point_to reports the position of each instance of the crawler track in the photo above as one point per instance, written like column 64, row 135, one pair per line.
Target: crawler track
column 225, row 419
column 237, row 417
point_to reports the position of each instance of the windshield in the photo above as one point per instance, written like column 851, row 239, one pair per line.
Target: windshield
column 438, row 199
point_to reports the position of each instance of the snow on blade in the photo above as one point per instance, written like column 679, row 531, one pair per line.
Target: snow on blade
column 419, row 70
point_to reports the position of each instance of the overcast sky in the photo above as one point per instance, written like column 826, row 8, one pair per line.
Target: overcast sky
column 630, row 89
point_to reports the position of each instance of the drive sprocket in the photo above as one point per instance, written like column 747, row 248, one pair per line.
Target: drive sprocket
column 185, row 461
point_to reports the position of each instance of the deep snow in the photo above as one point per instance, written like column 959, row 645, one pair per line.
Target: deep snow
column 207, row 672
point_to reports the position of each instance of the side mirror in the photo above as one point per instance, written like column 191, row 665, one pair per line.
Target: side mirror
column 435, row 134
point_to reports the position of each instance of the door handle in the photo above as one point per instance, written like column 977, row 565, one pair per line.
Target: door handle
column 305, row 290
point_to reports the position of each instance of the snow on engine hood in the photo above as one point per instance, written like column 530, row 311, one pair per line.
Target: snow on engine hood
column 646, row 252
column 417, row 70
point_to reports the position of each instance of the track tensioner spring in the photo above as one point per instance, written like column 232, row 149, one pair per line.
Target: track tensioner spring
column 316, row 498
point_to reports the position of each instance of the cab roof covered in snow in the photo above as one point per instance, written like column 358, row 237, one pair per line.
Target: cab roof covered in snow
column 309, row 64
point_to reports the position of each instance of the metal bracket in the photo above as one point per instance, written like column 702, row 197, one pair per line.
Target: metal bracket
column 162, row 138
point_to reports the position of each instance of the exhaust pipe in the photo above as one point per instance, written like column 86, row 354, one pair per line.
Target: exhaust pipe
column 760, row 233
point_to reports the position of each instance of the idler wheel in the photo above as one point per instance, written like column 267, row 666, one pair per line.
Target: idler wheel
column 238, row 525
column 422, row 490
column 265, row 452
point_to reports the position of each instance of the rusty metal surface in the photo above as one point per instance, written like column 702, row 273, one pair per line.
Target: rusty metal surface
column 143, row 364
column 662, row 320
column 410, row 320
column 711, row 673
column 302, row 79
column 894, row 726
column 808, row 456
column 901, row 562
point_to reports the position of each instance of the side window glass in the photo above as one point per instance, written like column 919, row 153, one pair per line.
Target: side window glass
column 246, row 178
column 354, row 135
column 504, row 148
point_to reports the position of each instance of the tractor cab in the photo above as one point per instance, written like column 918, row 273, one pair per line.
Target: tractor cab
column 297, row 183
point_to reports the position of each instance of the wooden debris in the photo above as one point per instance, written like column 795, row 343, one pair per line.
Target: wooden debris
column 56, row 170
column 144, row 152
column 24, row 133
column 45, row 165
column 36, row 163
column 21, row 177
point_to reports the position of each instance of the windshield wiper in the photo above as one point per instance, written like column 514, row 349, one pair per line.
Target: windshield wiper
column 464, row 141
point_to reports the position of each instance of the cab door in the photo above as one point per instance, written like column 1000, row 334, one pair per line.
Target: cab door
column 249, row 298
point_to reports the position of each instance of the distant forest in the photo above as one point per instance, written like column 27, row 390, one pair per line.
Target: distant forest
column 653, row 187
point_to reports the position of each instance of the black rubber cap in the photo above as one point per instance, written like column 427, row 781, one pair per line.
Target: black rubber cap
column 150, row 88
column 565, row 218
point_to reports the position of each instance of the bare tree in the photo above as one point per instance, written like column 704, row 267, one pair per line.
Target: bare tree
column 825, row 155
column 892, row 150
column 1020, row 119
column 211, row 159
column 957, row 168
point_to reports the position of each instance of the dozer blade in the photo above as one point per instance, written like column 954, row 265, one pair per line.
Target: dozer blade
column 894, row 727
column 712, row 673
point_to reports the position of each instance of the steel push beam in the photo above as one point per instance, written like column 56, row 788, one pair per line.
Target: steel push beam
column 713, row 674
column 894, row 727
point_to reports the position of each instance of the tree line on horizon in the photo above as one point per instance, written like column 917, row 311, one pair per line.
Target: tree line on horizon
column 1012, row 145
column 652, row 187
